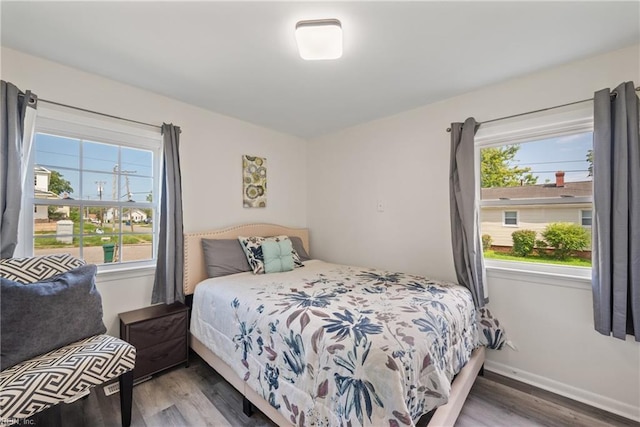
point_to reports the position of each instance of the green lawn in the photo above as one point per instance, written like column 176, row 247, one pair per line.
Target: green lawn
column 91, row 238
column 572, row 261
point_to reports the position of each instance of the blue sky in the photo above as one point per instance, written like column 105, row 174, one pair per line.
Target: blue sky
column 566, row 153
column 98, row 161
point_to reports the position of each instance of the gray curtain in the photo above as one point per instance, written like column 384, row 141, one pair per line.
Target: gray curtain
column 167, row 286
column 13, row 111
column 465, row 217
column 616, row 223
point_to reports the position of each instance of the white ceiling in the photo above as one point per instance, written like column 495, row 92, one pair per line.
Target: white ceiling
column 240, row 58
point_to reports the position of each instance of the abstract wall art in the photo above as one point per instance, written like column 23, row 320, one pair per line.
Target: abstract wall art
column 254, row 180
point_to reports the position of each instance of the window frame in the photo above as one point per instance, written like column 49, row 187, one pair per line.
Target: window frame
column 564, row 121
column 63, row 122
column 582, row 217
column 504, row 219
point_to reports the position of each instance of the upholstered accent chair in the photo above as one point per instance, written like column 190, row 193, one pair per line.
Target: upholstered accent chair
column 62, row 374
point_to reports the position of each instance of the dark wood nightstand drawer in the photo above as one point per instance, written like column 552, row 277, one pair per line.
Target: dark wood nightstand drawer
column 160, row 335
column 160, row 356
column 151, row 332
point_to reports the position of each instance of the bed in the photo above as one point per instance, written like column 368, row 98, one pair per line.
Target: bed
column 329, row 344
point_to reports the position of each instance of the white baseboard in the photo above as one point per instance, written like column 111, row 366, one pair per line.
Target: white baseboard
column 611, row 405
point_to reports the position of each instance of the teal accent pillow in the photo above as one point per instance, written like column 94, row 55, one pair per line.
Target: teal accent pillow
column 277, row 256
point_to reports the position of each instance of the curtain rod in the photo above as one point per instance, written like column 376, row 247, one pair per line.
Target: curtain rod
column 538, row 111
column 99, row 113
column 95, row 112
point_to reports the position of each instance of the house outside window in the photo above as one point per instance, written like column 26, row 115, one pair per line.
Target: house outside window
column 95, row 191
column 535, row 173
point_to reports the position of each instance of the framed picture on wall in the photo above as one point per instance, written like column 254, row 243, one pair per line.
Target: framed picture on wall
column 254, row 181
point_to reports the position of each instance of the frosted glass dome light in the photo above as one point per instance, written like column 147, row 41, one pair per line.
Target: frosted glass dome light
column 319, row 39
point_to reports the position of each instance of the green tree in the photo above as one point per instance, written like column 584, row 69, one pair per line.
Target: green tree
column 149, row 211
column 498, row 169
column 590, row 161
column 59, row 185
column 74, row 214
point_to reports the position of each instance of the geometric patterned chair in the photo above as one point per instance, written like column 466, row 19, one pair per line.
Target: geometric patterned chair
column 46, row 380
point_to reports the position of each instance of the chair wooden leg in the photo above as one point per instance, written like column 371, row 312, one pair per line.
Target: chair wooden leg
column 126, row 397
column 51, row 417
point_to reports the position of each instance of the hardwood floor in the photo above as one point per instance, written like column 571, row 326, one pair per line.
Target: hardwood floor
column 197, row 396
column 499, row 401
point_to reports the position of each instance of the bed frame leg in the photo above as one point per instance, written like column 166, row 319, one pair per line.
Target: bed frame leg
column 247, row 407
column 481, row 371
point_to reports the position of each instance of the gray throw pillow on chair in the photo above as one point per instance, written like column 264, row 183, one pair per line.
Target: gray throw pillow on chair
column 39, row 317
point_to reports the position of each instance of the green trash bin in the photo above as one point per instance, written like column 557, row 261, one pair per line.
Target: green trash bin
column 108, row 252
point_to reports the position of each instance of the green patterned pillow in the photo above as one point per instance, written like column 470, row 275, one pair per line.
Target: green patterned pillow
column 277, row 256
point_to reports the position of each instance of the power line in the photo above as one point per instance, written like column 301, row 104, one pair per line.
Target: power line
column 548, row 163
column 92, row 158
column 564, row 170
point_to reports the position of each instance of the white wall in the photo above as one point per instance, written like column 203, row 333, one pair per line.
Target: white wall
column 403, row 160
column 211, row 149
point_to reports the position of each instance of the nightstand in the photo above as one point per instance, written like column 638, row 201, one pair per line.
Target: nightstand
column 159, row 334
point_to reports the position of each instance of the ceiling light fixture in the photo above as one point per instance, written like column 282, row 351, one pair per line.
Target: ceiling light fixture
column 319, row 39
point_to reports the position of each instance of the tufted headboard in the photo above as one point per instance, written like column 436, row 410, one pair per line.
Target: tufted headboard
column 194, row 266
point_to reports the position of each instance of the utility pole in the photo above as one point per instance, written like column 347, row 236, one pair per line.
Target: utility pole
column 126, row 181
column 100, row 188
column 100, row 191
column 114, row 187
column 117, row 171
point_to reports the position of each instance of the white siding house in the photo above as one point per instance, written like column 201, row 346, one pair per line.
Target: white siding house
column 41, row 191
column 536, row 207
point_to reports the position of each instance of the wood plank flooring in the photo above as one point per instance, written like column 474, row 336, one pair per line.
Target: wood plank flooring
column 197, row 396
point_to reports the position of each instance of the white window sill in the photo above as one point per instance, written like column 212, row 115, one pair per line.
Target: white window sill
column 108, row 273
column 543, row 274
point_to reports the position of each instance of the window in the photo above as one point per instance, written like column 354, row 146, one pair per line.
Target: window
column 510, row 218
column 534, row 174
column 95, row 191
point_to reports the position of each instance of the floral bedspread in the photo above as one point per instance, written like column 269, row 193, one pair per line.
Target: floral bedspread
column 335, row 345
